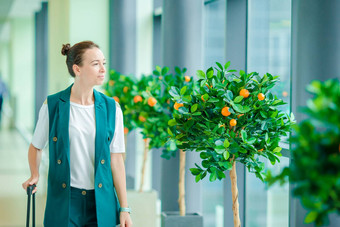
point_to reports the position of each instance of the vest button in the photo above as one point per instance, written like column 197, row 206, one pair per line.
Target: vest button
column 63, row 185
column 83, row 192
column 55, row 139
column 102, row 161
column 59, row 161
column 100, row 185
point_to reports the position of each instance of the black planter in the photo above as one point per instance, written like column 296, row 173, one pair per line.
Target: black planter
column 172, row 219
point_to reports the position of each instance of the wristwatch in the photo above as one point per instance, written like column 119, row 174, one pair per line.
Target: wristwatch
column 125, row 209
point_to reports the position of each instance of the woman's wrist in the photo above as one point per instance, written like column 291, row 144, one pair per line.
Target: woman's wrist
column 125, row 209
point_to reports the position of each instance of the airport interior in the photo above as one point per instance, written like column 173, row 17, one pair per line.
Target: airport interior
column 231, row 108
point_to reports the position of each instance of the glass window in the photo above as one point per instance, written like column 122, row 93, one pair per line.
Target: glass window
column 269, row 35
column 214, row 35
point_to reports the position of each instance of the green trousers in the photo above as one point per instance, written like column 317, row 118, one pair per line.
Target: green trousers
column 82, row 208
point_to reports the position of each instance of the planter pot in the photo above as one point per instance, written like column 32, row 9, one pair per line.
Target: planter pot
column 172, row 219
column 143, row 208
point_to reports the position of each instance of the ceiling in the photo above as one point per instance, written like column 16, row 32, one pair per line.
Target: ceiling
column 15, row 9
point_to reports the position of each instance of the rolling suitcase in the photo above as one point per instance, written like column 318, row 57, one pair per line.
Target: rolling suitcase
column 29, row 195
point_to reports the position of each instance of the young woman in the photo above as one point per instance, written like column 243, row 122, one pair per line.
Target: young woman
column 85, row 132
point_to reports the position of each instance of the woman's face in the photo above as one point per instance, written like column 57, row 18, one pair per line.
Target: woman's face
column 92, row 72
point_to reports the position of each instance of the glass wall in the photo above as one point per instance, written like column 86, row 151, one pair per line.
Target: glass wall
column 269, row 35
column 213, row 50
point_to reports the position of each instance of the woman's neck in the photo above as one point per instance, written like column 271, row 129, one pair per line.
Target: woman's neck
column 82, row 95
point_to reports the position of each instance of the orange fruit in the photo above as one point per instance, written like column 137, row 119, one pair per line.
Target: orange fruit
column 260, row 150
column 202, row 98
column 178, row 105
column 240, row 115
column 207, row 85
column 137, row 98
column 126, row 130
column 152, row 101
column 233, row 122
column 225, row 111
column 187, row 79
column 223, row 81
column 141, row 118
column 261, row 96
column 168, row 101
column 284, row 94
column 244, row 93
column 125, row 89
column 222, row 125
column 116, row 98
column 160, row 77
column 111, row 82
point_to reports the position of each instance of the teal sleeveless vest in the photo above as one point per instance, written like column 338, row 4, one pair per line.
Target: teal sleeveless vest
column 58, row 190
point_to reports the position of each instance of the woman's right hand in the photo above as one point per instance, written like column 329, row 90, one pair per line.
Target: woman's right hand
column 31, row 181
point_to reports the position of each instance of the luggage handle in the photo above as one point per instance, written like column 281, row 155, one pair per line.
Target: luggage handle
column 29, row 194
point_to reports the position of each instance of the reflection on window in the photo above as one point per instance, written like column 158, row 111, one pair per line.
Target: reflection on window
column 214, row 33
column 269, row 51
column 267, row 208
column 269, row 42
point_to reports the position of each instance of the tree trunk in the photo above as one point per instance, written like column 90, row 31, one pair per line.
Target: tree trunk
column 181, row 183
column 146, row 151
column 234, row 191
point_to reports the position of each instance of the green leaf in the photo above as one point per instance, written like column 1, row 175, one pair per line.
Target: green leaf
column 213, row 100
column 170, row 133
column 251, row 140
column 226, row 155
column 230, row 95
column 238, row 99
column 266, row 137
column 198, row 177
column 200, row 74
column 183, row 90
column 277, row 149
column 244, row 135
column 155, row 72
column 210, row 73
column 219, row 65
column 226, row 143
column 172, row 122
column 219, row 150
column 195, row 171
column 194, row 108
column 165, row 70
column 174, row 91
column 205, row 97
column 212, row 176
column 311, row 217
column 178, row 70
column 197, row 114
column 159, row 69
column 227, row 65
column 263, row 114
column 187, row 98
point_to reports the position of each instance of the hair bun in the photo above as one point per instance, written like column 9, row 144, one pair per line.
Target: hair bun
column 66, row 48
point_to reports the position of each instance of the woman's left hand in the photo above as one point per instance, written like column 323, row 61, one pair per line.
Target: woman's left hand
column 125, row 219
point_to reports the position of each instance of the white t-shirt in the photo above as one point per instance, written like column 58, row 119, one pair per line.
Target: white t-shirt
column 82, row 132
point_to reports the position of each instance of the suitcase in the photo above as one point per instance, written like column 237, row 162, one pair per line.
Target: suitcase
column 29, row 195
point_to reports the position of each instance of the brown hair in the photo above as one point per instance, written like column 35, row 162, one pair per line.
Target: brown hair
column 74, row 54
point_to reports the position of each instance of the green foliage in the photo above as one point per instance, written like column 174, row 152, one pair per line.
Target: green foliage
column 315, row 164
column 153, row 120
column 200, row 126
column 121, row 87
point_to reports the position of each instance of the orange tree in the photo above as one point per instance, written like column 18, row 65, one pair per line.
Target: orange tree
column 121, row 88
column 152, row 109
column 315, row 159
column 229, row 118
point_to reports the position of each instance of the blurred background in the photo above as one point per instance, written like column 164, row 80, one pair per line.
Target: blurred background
column 295, row 39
